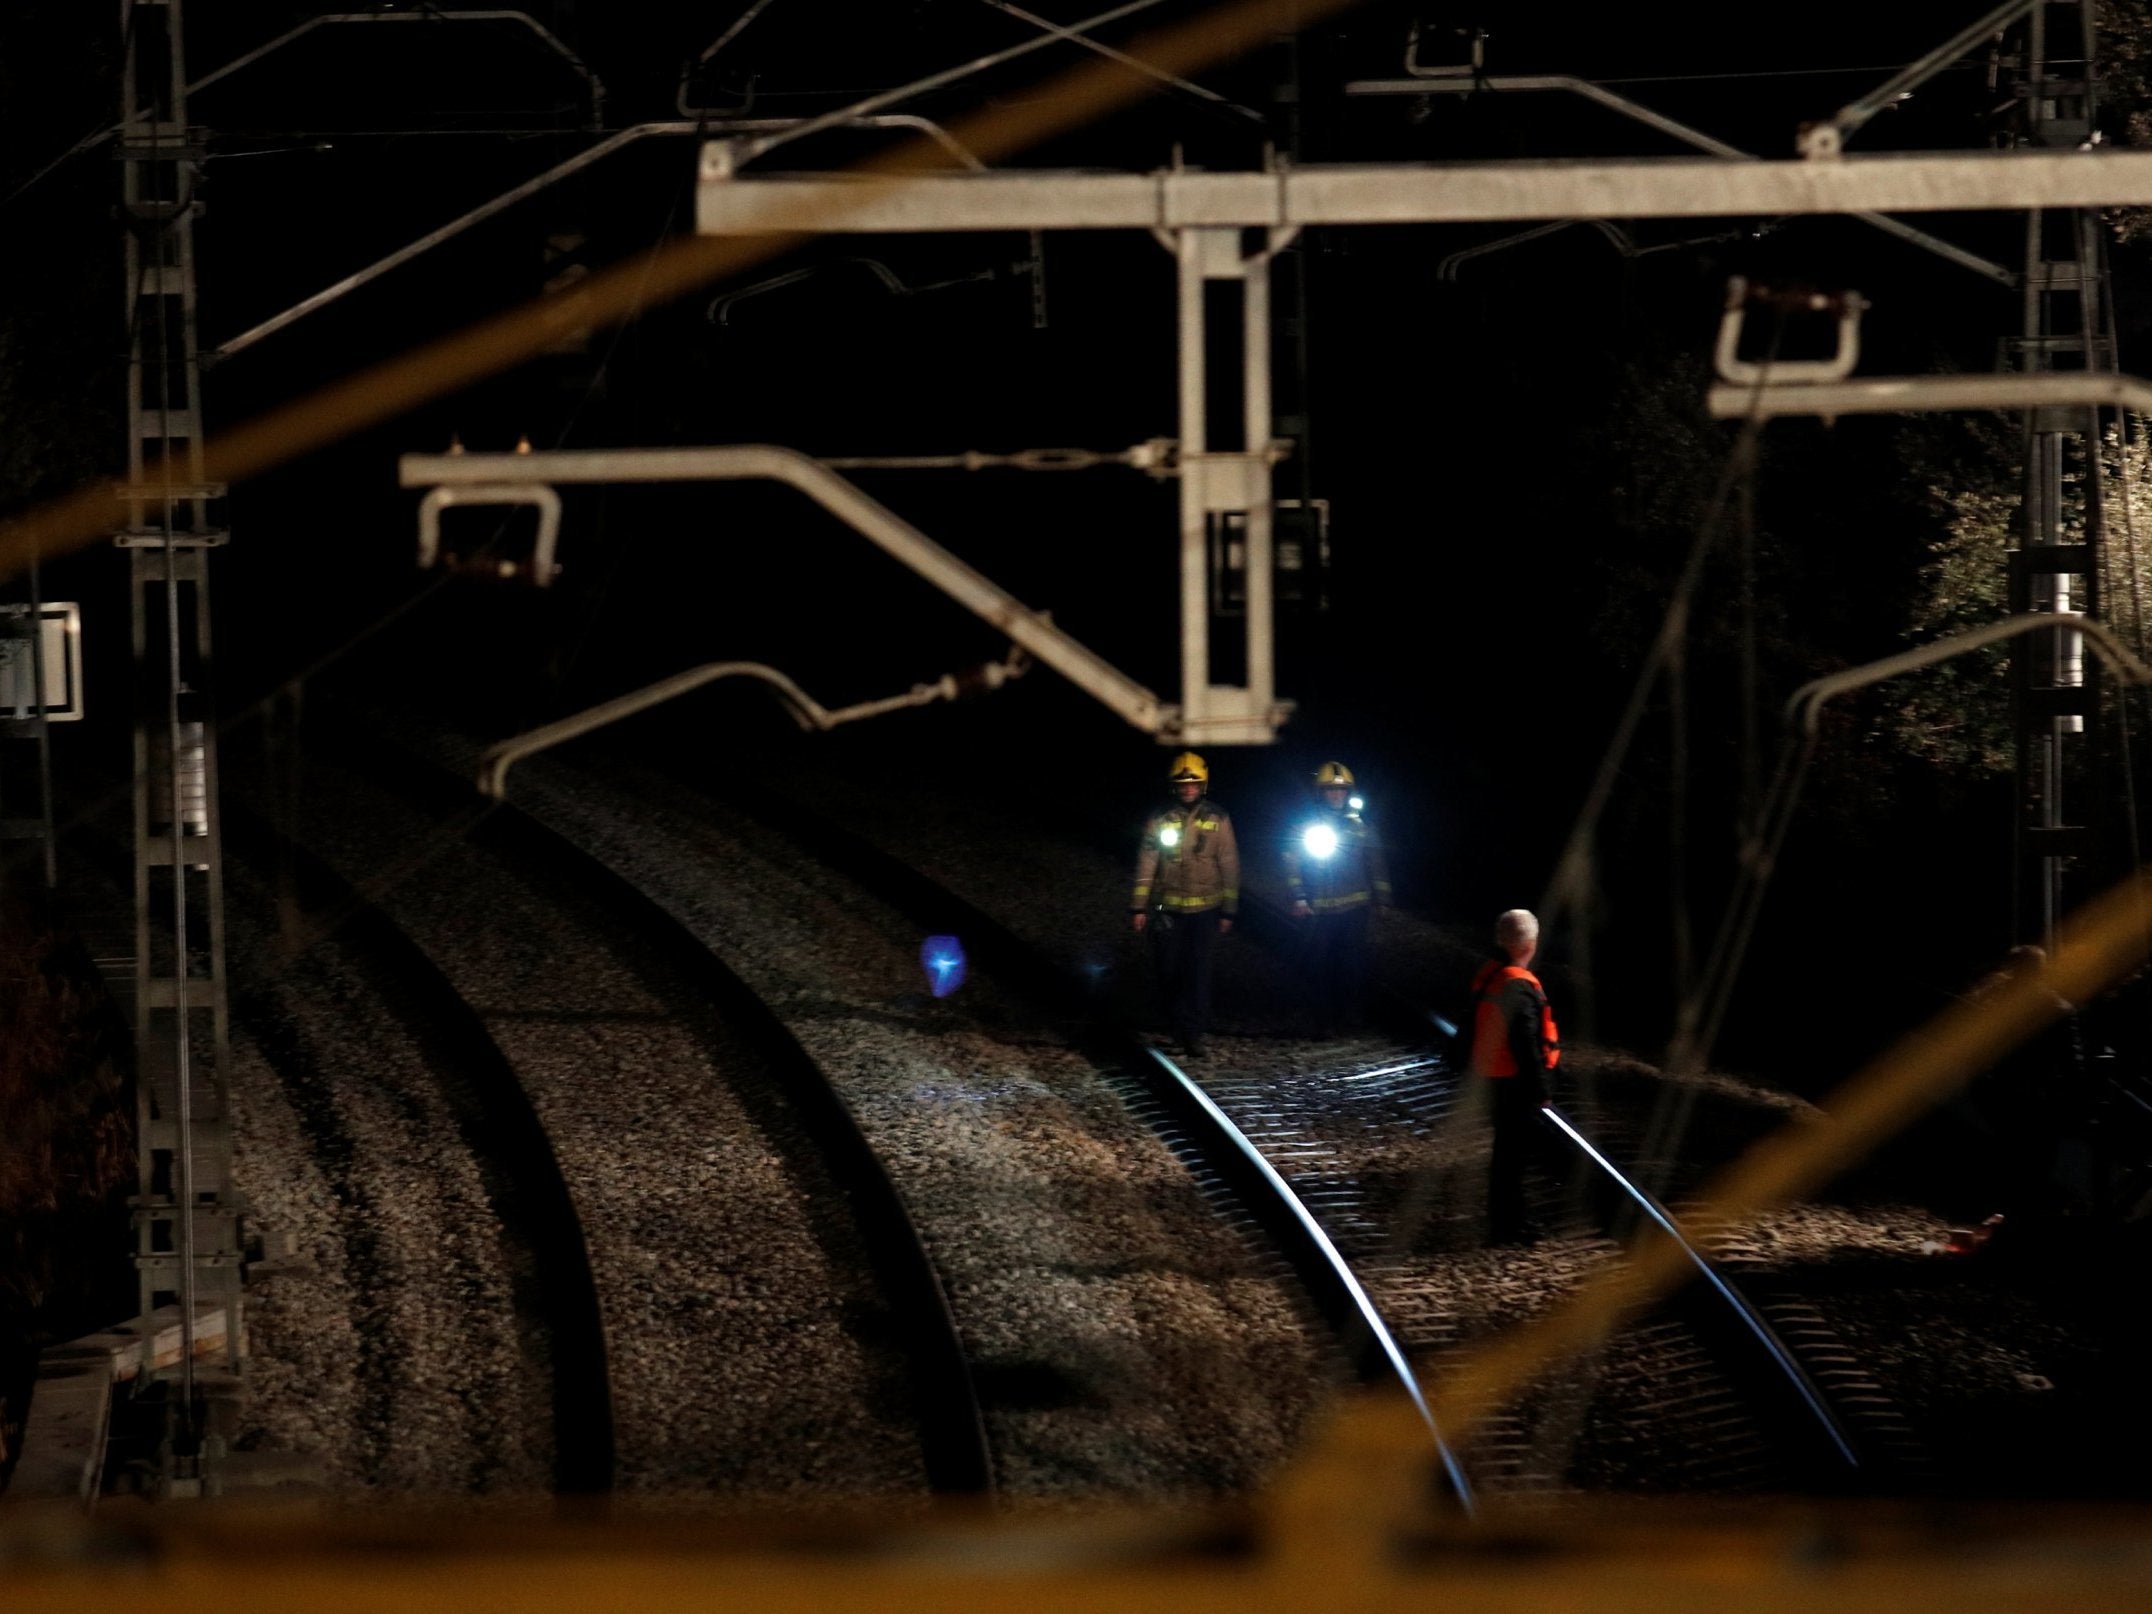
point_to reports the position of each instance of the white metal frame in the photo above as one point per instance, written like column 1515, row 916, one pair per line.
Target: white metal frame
column 728, row 203
column 49, row 682
column 1199, row 216
column 1033, row 631
column 543, row 499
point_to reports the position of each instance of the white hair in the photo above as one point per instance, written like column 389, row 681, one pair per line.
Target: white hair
column 1517, row 930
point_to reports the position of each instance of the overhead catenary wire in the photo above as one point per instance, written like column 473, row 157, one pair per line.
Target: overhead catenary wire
column 496, row 344
column 738, row 26
column 1703, row 1013
column 1573, row 871
column 1575, row 878
column 613, row 294
column 102, row 131
column 963, row 70
column 1205, row 97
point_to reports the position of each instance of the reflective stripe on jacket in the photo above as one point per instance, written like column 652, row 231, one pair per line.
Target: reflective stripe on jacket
column 1348, row 877
column 1188, row 862
column 1512, row 1022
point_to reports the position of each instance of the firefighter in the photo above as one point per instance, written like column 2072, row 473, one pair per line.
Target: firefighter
column 1515, row 1046
column 1187, row 893
column 1337, row 875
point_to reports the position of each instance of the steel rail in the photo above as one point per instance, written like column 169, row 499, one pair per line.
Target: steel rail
column 1322, row 1268
column 955, row 1446
column 1765, row 1335
column 1414, row 1018
column 1348, row 1281
column 503, row 1129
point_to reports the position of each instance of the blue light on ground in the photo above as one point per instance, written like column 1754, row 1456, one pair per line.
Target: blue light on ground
column 942, row 957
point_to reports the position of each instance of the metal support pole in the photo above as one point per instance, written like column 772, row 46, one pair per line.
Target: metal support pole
column 1195, row 517
column 187, row 1245
column 2064, row 331
column 1225, row 492
column 1255, row 442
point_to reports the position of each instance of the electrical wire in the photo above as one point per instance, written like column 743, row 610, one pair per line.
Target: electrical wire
column 1740, row 75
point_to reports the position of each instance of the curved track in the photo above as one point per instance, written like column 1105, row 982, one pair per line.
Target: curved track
column 700, row 1016
column 1735, row 1406
column 556, row 1293
column 1261, row 1194
column 953, row 1435
column 1352, row 1222
column 1818, row 1412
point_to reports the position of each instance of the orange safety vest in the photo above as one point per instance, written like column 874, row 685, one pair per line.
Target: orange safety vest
column 1490, row 1038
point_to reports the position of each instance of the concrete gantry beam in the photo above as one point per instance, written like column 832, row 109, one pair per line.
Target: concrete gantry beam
column 1416, row 193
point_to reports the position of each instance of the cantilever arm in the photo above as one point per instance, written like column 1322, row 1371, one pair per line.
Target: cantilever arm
column 1034, row 631
column 1805, row 706
column 805, row 710
column 1465, row 84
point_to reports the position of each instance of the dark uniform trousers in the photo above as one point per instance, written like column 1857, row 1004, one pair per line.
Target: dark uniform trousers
column 1514, row 1040
column 1521, row 1138
column 1337, row 965
column 1182, row 944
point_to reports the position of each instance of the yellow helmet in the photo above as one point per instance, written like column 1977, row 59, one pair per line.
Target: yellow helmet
column 1188, row 766
column 1333, row 774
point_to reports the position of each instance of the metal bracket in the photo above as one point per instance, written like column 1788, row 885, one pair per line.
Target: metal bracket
column 1741, row 296
column 544, row 499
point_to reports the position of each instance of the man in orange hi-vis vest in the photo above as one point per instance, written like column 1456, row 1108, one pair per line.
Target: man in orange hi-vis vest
column 1514, row 1046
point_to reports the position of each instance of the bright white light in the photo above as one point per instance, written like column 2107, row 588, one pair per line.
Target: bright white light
column 1320, row 840
column 1170, row 835
column 1356, row 804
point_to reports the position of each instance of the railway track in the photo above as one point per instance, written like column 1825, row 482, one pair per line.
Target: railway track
column 596, row 1024
column 1741, row 1393
column 1242, row 1180
column 561, row 1340
column 1053, row 1414
column 1741, row 1403
column 1266, row 1153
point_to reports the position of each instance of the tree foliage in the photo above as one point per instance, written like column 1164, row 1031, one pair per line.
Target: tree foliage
column 1957, row 716
column 66, row 1126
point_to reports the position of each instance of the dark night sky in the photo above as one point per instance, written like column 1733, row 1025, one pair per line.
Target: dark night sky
column 1484, row 601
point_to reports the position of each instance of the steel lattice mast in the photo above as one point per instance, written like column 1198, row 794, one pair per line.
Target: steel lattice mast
column 2067, row 325
column 187, row 1234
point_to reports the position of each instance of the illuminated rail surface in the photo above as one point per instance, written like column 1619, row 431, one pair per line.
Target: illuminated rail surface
column 1231, row 1168
column 1711, row 1359
column 1268, row 1154
column 1740, row 1363
column 1240, row 1185
column 559, row 1303
column 1714, row 1359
